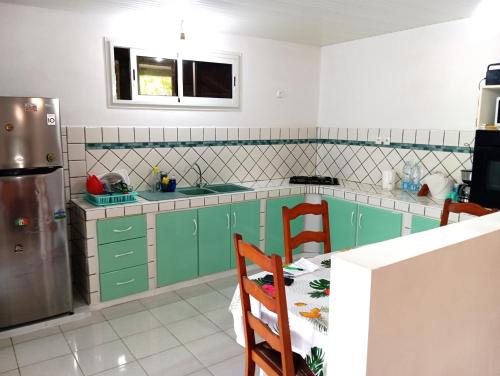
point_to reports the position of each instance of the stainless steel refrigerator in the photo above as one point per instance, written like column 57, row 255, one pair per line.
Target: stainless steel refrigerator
column 35, row 278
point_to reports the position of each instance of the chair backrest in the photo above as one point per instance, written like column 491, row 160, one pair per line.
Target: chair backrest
column 305, row 236
column 280, row 342
column 458, row 207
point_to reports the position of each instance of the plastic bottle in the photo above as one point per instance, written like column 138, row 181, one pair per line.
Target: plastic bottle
column 406, row 182
column 416, row 174
column 154, row 180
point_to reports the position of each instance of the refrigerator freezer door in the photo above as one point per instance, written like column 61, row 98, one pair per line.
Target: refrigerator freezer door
column 29, row 133
column 35, row 280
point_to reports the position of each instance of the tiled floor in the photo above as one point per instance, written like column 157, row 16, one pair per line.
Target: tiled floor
column 186, row 332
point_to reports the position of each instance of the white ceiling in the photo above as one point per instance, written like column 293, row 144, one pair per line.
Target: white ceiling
column 317, row 22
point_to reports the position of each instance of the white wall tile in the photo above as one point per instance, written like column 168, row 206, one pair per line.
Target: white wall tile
column 265, row 133
column 384, row 134
column 243, row 134
column 76, row 135
column 285, row 133
column 133, row 209
column 352, row 134
column 77, row 185
column 409, row 136
column 209, row 134
column 373, row 134
column 294, row 133
column 436, row 137
column 156, row 134
column 110, row 134
column 254, row 134
column 170, row 134
column 221, row 134
column 196, row 134
column 93, row 134
column 467, row 137
column 232, row 134
column 77, row 168
column 76, row 152
column 342, row 134
column 141, row 134
column 311, row 132
column 451, row 138
column 397, row 135
column 302, row 133
column 362, row 134
column 275, row 134
column 184, row 134
column 126, row 134
column 333, row 134
column 324, row 133
column 422, row 137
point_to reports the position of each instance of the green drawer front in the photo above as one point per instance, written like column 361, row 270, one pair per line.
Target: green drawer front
column 124, row 282
column 121, row 255
column 123, row 228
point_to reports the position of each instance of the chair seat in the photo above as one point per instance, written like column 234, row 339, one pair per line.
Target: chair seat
column 273, row 358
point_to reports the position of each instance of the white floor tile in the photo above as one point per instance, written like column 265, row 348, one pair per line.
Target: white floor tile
column 214, row 349
column 203, row 372
column 124, row 309
column 174, row 312
column 221, row 317
column 7, row 359
column 41, row 349
column 231, row 333
column 222, row 283
column 131, row 369
column 151, row 342
column 209, row 302
column 14, row 372
column 192, row 328
column 35, row 335
column 228, row 292
column 229, row 367
column 103, row 357
column 95, row 318
column 63, row 366
column 160, row 300
column 174, row 362
column 192, row 291
column 90, row 336
column 134, row 323
column 5, row 342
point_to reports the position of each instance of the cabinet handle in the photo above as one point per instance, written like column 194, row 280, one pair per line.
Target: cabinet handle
column 195, row 227
column 124, row 254
column 234, row 216
column 228, row 221
column 352, row 218
column 123, row 230
column 126, row 282
column 359, row 222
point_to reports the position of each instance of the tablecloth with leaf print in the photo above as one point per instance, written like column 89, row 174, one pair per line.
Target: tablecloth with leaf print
column 308, row 305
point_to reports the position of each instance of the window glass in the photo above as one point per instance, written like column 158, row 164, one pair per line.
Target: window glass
column 122, row 73
column 206, row 79
column 156, row 76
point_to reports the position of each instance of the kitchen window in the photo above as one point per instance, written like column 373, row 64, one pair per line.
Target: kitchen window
column 145, row 78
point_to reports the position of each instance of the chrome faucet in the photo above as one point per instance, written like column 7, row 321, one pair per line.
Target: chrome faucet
column 200, row 177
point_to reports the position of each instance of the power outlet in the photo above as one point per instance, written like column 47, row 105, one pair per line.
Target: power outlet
column 387, row 141
column 378, row 141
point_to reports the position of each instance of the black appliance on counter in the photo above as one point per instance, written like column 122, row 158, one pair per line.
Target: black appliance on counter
column 319, row 180
column 485, row 189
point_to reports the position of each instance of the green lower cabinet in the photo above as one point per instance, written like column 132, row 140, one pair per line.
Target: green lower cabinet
column 124, row 282
column 121, row 255
column 274, row 223
column 214, row 237
column 176, row 246
column 342, row 217
column 376, row 225
column 121, row 228
column 245, row 220
column 419, row 224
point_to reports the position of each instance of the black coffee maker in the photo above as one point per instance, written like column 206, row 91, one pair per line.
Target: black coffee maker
column 464, row 188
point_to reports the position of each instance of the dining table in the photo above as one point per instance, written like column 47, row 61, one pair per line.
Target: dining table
column 308, row 310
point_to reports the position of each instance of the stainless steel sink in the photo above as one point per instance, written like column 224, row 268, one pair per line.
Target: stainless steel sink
column 195, row 191
column 227, row 188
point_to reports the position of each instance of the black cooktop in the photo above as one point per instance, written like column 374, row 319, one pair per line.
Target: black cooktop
column 320, row 180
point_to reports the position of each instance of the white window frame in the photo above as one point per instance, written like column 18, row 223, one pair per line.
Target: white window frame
column 179, row 101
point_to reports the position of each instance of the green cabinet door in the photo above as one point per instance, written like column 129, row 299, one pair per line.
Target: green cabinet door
column 343, row 223
column 419, row 224
column 376, row 225
column 245, row 220
column 213, row 240
column 176, row 246
column 274, row 223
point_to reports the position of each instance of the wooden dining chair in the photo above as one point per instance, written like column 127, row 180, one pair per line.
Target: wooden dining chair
column 305, row 236
column 274, row 355
column 459, row 207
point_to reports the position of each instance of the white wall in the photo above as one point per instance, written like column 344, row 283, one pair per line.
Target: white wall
column 60, row 54
column 423, row 78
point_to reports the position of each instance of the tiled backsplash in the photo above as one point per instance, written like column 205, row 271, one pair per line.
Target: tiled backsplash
column 249, row 154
